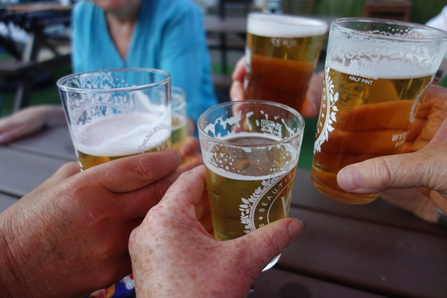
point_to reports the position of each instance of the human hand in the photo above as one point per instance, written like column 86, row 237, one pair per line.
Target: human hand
column 28, row 121
column 423, row 166
column 313, row 95
column 174, row 256
column 69, row 236
column 190, row 154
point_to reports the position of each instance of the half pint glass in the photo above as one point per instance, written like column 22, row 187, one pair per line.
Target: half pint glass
column 115, row 113
column 376, row 74
column 281, row 54
column 250, row 149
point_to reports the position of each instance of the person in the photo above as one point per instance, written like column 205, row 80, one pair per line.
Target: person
column 70, row 235
column 414, row 180
column 133, row 34
column 162, row 266
column 312, row 100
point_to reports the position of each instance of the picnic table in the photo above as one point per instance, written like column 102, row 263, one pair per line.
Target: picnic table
column 373, row 250
column 34, row 18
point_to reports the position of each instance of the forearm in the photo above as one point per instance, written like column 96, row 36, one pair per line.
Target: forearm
column 53, row 114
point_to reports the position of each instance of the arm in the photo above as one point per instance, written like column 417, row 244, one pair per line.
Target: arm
column 186, row 261
column 29, row 120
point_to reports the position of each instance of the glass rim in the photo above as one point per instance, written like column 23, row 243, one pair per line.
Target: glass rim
column 279, row 18
column 338, row 23
column 60, row 82
column 295, row 113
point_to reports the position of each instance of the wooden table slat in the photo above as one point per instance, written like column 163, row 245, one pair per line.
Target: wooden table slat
column 280, row 283
column 306, row 196
column 54, row 141
column 22, row 171
column 363, row 255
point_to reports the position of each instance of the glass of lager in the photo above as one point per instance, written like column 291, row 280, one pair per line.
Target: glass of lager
column 179, row 123
column 281, row 54
column 250, row 149
column 114, row 113
column 376, row 75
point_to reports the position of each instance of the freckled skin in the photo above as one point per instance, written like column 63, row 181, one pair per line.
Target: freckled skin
column 69, row 237
column 186, row 261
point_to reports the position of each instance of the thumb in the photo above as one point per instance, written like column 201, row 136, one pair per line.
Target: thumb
column 269, row 241
column 424, row 168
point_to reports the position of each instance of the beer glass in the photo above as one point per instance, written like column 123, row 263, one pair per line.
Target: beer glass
column 179, row 123
column 376, row 75
column 281, row 54
column 114, row 113
column 250, row 150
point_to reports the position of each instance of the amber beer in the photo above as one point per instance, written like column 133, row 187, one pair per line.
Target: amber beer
column 376, row 75
column 179, row 118
column 244, row 194
column 179, row 131
column 250, row 149
column 362, row 118
column 119, row 136
column 281, row 54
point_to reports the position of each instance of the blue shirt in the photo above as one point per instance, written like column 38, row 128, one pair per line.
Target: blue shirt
column 169, row 35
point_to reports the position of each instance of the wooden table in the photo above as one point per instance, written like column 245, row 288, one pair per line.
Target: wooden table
column 373, row 250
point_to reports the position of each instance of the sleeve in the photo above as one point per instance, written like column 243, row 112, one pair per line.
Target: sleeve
column 185, row 56
column 439, row 21
column 76, row 49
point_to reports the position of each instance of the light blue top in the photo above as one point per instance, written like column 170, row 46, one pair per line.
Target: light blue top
column 169, row 35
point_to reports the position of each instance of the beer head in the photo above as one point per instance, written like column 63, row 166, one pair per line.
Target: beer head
column 274, row 25
column 250, row 138
column 117, row 112
column 385, row 48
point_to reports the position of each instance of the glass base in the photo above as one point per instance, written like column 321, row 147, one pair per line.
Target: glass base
column 272, row 263
column 344, row 197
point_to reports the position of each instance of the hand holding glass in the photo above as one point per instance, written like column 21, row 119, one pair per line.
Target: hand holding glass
column 376, row 75
column 250, row 149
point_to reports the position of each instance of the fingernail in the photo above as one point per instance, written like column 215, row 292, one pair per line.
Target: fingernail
column 350, row 178
column 295, row 227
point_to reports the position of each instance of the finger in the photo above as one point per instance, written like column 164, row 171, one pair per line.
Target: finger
column 425, row 168
column 191, row 146
column 134, row 172
column 239, row 70
column 187, row 190
column 65, row 171
column 269, row 241
column 237, row 91
column 191, row 162
column 15, row 133
column 136, row 204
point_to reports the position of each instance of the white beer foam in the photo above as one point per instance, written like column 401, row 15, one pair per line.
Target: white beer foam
column 207, row 157
column 386, row 71
column 375, row 55
column 119, row 135
column 271, row 25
